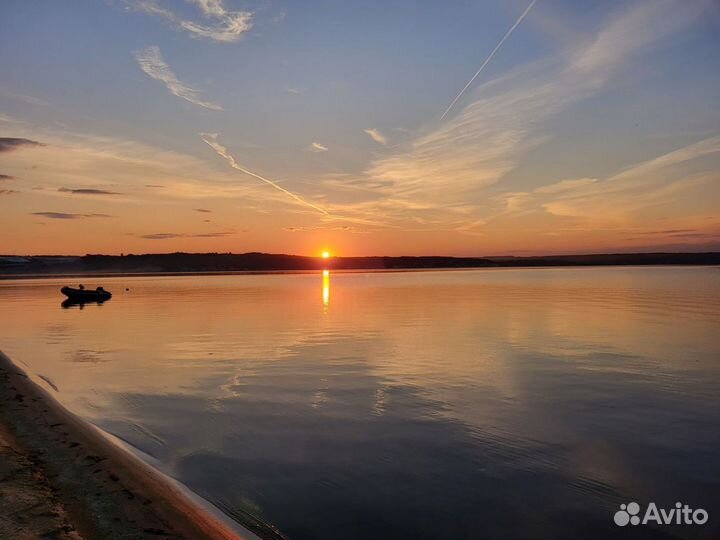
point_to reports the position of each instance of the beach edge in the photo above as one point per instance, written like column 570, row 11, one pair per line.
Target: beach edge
column 107, row 491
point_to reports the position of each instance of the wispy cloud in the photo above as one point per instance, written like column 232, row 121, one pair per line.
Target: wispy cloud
column 203, row 210
column 161, row 236
column 566, row 185
column 634, row 206
column 443, row 175
column 223, row 25
column 63, row 215
column 6, row 177
column 4, row 118
column 87, row 191
column 8, row 144
column 153, row 64
column 317, row 147
column 31, row 100
column 170, row 236
column 343, row 228
column 635, row 29
column 376, row 136
column 211, row 140
column 646, row 184
column 8, row 192
column 148, row 174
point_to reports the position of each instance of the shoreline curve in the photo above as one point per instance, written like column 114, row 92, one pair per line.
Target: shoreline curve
column 105, row 491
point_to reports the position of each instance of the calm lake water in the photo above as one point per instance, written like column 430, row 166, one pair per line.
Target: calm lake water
column 452, row 405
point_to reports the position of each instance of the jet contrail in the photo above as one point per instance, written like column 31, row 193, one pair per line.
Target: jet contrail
column 487, row 60
column 211, row 139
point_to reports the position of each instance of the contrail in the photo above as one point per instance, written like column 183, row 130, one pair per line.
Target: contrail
column 487, row 60
column 211, row 139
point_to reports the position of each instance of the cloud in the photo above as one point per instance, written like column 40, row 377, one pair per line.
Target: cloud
column 224, row 26
column 317, row 147
column 4, row 118
column 74, row 160
column 443, row 175
column 161, row 236
column 344, row 228
column 203, row 210
column 8, row 144
column 62, row 215
column 6, row 177
column 31, row 100
column 8, row 192
column 376, row 136
column 643, row 201
column 211, row 140
column 293, row 91
column 620, row 196
column 153, row 64
column 87, row 191
column 211, row 234
column 634, row 30
column 169, row 236
column 678, row 232
column 565, row 185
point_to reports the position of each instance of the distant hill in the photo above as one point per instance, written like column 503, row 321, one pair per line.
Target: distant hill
column 12, row 265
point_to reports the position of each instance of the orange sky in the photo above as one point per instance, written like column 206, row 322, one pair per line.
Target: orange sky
column 584, row 134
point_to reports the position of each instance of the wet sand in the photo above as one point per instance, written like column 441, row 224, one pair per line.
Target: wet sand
column 61, row 478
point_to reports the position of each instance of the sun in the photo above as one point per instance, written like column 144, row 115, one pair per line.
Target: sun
column 325, row 254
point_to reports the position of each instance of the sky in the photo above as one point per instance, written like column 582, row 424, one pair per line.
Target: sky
column 151, row 126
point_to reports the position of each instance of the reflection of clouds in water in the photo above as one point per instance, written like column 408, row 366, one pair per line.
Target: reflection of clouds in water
column 91, row 356
column 193, row 347
column 413, row 389
column 276, row 453
column 232, row 386
column 56, row 334
column 274, row 444
column 381, row 400
column 321, row 395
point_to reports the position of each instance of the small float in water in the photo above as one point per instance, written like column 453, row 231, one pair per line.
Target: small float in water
column 83, row 295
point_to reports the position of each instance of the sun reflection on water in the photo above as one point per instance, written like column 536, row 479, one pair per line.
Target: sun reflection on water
column 326, row 288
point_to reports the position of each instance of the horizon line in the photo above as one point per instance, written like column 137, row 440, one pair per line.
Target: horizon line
column 566, row 254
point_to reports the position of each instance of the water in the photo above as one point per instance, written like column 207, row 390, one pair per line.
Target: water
column 504, row 403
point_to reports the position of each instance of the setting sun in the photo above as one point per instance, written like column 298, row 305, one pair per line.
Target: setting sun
column 325, row 254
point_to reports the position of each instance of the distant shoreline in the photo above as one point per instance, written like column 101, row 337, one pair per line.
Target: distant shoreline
column 13, row 266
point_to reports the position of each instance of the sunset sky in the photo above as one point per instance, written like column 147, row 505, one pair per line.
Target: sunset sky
column 294, row 127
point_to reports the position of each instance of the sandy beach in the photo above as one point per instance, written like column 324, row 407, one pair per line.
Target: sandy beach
column 61, row 478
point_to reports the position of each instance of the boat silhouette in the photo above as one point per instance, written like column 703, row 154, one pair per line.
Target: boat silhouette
column 84, row 296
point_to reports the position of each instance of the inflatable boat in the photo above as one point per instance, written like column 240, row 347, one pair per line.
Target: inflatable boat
column 86, row 295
